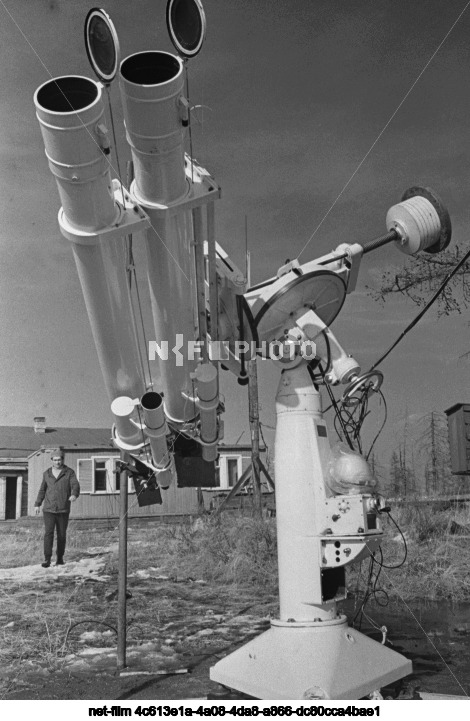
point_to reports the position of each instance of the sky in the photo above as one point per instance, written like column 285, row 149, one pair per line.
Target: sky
column 316, row 117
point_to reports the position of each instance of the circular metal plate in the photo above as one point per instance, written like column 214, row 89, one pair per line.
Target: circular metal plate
column 186, row 22
column 102, row 44
column 322, row 291
column 441, row 210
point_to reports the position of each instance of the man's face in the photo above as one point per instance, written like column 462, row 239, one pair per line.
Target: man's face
column 57, row 461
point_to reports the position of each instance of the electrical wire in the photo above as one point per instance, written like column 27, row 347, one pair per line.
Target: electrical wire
column 381, row 427
column 337, row 411
column 139, row 305
column 372, row 590
column 428, row 305
column 405, row 545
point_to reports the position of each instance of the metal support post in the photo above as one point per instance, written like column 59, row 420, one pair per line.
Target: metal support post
column 122, row 571
column 242, row 481
column 253, row 410
column 198, row 234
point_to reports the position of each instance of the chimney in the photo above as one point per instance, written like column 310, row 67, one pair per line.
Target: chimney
column 40, row 424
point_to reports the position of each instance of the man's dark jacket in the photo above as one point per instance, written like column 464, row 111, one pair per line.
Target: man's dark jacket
column 55, row 492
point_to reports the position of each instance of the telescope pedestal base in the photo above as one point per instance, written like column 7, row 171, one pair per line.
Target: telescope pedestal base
column 305, row 662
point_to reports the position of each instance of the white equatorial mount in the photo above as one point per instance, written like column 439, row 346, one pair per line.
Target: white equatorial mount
column 310, row 652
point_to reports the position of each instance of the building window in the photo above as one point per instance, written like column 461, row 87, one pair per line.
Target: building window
column 232, row 471
column 98, row 474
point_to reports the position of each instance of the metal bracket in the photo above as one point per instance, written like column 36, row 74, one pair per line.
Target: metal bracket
column 129, row 219
column 287, row 267
column 202, row 189
column 353, row 261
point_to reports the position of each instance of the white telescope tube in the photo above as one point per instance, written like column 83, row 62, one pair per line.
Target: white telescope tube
column 123, row 408
column 152, row 92
column 70, row 112
column 208, row 401
column 156, row 430
column 151, row 89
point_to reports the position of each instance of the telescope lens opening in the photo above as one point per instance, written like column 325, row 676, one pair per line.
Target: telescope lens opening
column 153, row 68
column 151, row 401
column 67, row 95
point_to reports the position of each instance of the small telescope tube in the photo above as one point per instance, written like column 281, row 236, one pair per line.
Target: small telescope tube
column 123, row 408
column 208, row 400
column 156, row 430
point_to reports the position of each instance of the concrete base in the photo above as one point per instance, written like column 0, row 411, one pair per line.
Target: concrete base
column 291, row 661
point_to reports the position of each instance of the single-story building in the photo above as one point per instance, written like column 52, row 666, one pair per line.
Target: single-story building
column 25, row 455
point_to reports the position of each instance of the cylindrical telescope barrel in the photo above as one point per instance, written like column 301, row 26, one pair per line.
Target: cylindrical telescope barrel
column 123, row 408
column 70, row 111
column 156, row 430
column 208, row 401
column 151, row 89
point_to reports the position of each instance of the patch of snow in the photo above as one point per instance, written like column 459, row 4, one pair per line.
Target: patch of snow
column 146, row 573
column 399, row 539
column 98, row 550
column 95, row 635
column 91, row 568
column 96, row 651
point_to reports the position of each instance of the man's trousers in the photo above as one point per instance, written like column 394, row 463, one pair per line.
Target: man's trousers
column 59, row 522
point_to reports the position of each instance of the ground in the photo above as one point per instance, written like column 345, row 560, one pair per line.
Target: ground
column 57, row 625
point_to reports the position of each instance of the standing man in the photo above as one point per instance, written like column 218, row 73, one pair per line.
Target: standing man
column 59, row 488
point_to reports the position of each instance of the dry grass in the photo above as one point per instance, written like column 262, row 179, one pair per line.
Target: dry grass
column 236, row 558
column 238, row 551
column 35, row 618
column 24, row 546
column 437, row 565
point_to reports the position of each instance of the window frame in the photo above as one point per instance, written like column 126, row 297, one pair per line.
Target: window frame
column 223, row 464
column 110, row 467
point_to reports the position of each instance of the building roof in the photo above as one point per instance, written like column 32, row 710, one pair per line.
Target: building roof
column 238, row 448
column 22, row 441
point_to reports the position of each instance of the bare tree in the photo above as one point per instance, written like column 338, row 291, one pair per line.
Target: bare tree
column 433, row 448
column 395, row 475
column 402, row 477
column 423, row 274
column 378, row 471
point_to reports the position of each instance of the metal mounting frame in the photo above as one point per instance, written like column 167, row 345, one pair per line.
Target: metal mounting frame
column 129, row 219
column 202, row 190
